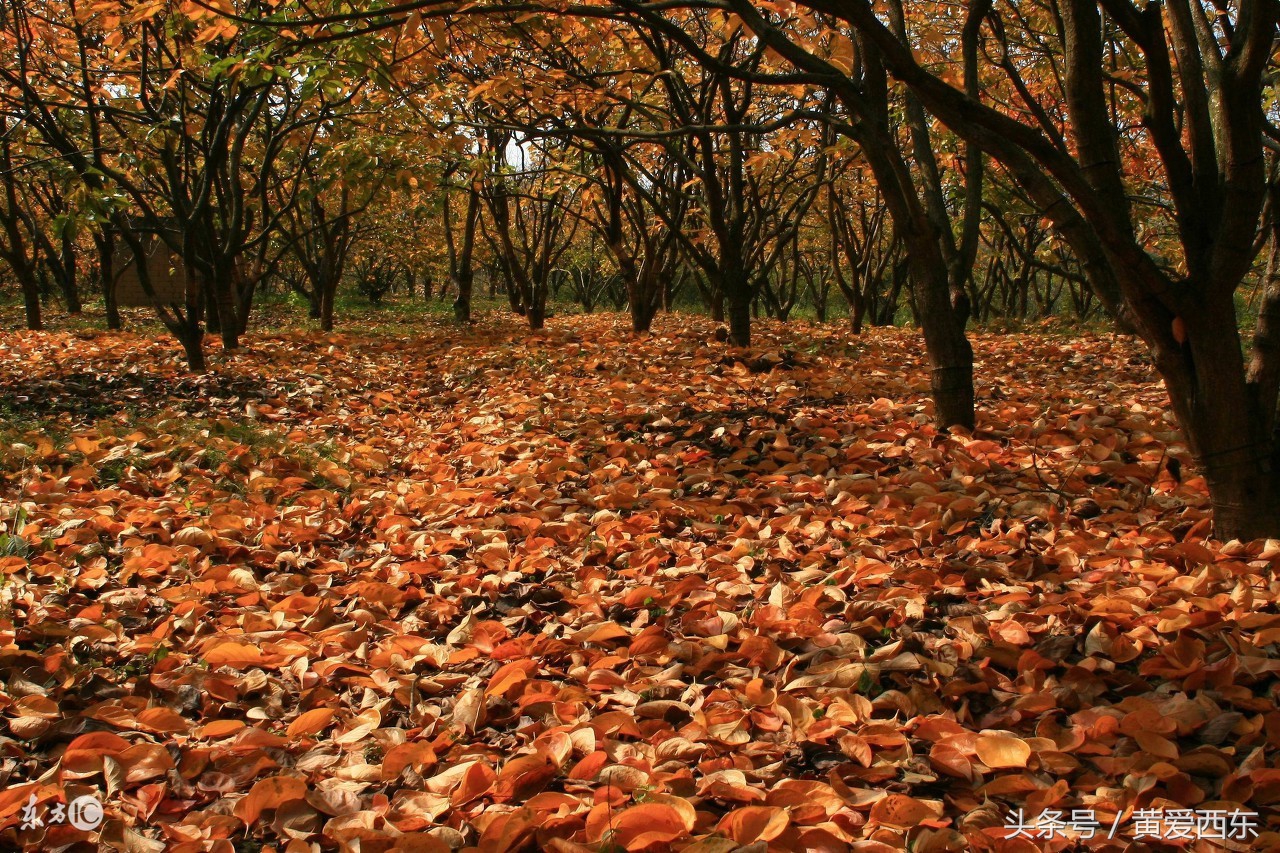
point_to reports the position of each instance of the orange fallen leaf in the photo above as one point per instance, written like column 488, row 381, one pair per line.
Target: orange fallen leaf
column 269, row 793
column 902, row 811
column 648, row 824
column 311, row 722
column 1000, row 751
column 751, row 824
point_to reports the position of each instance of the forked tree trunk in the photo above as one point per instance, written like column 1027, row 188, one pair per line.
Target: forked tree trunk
column 641, row 299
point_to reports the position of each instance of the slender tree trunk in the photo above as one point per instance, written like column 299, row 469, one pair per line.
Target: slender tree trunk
column 717, row 304
column 209, row 307
column 106, row 244
column 537, row 309
column 328, row 292
column 737, row 291
column 857, row 314
column 192, row 341
column 67, row 279
column 941, row 309
column 461, row 270
column 224, row 303
column 31, row 302
column 950, row 355
column 463, row 281
column 244, row 306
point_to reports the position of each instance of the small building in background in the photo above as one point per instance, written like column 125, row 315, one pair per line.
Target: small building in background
column 168, row 274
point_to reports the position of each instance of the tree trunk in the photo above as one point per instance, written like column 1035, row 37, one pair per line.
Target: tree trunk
column 717, row 306
column 224, row 300
column 639, row 283
column 192, row 341
column 462, row 281
column 857, row 313
column 31, row 302
column 537, row 313
column 70, row 292
column 327, row 294
column 949, row 354
column 213, row 322
column 107, row 278
column 738, row 293
column 952, row 384
column 642, row 314
column 244, row 306
column 1245, row 493
column 1229, row 417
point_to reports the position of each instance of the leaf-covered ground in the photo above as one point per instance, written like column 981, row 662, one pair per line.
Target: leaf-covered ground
column 586, row 592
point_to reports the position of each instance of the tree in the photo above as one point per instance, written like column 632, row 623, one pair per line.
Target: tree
column 17, row 245
column 865, row 255
column 461, row 243
column 529, row 203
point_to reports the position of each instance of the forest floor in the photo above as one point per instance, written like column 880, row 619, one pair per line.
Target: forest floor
column 423, row 589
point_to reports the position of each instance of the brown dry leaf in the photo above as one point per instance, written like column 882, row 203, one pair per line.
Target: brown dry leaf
column 999, row 751
column 468, row 710
column 648, row 824
column 901, row 811
column 752, row 824
column 269, row 793
column 311, row 722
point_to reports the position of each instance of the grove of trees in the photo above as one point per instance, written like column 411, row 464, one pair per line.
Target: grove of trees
column 1113, row 162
